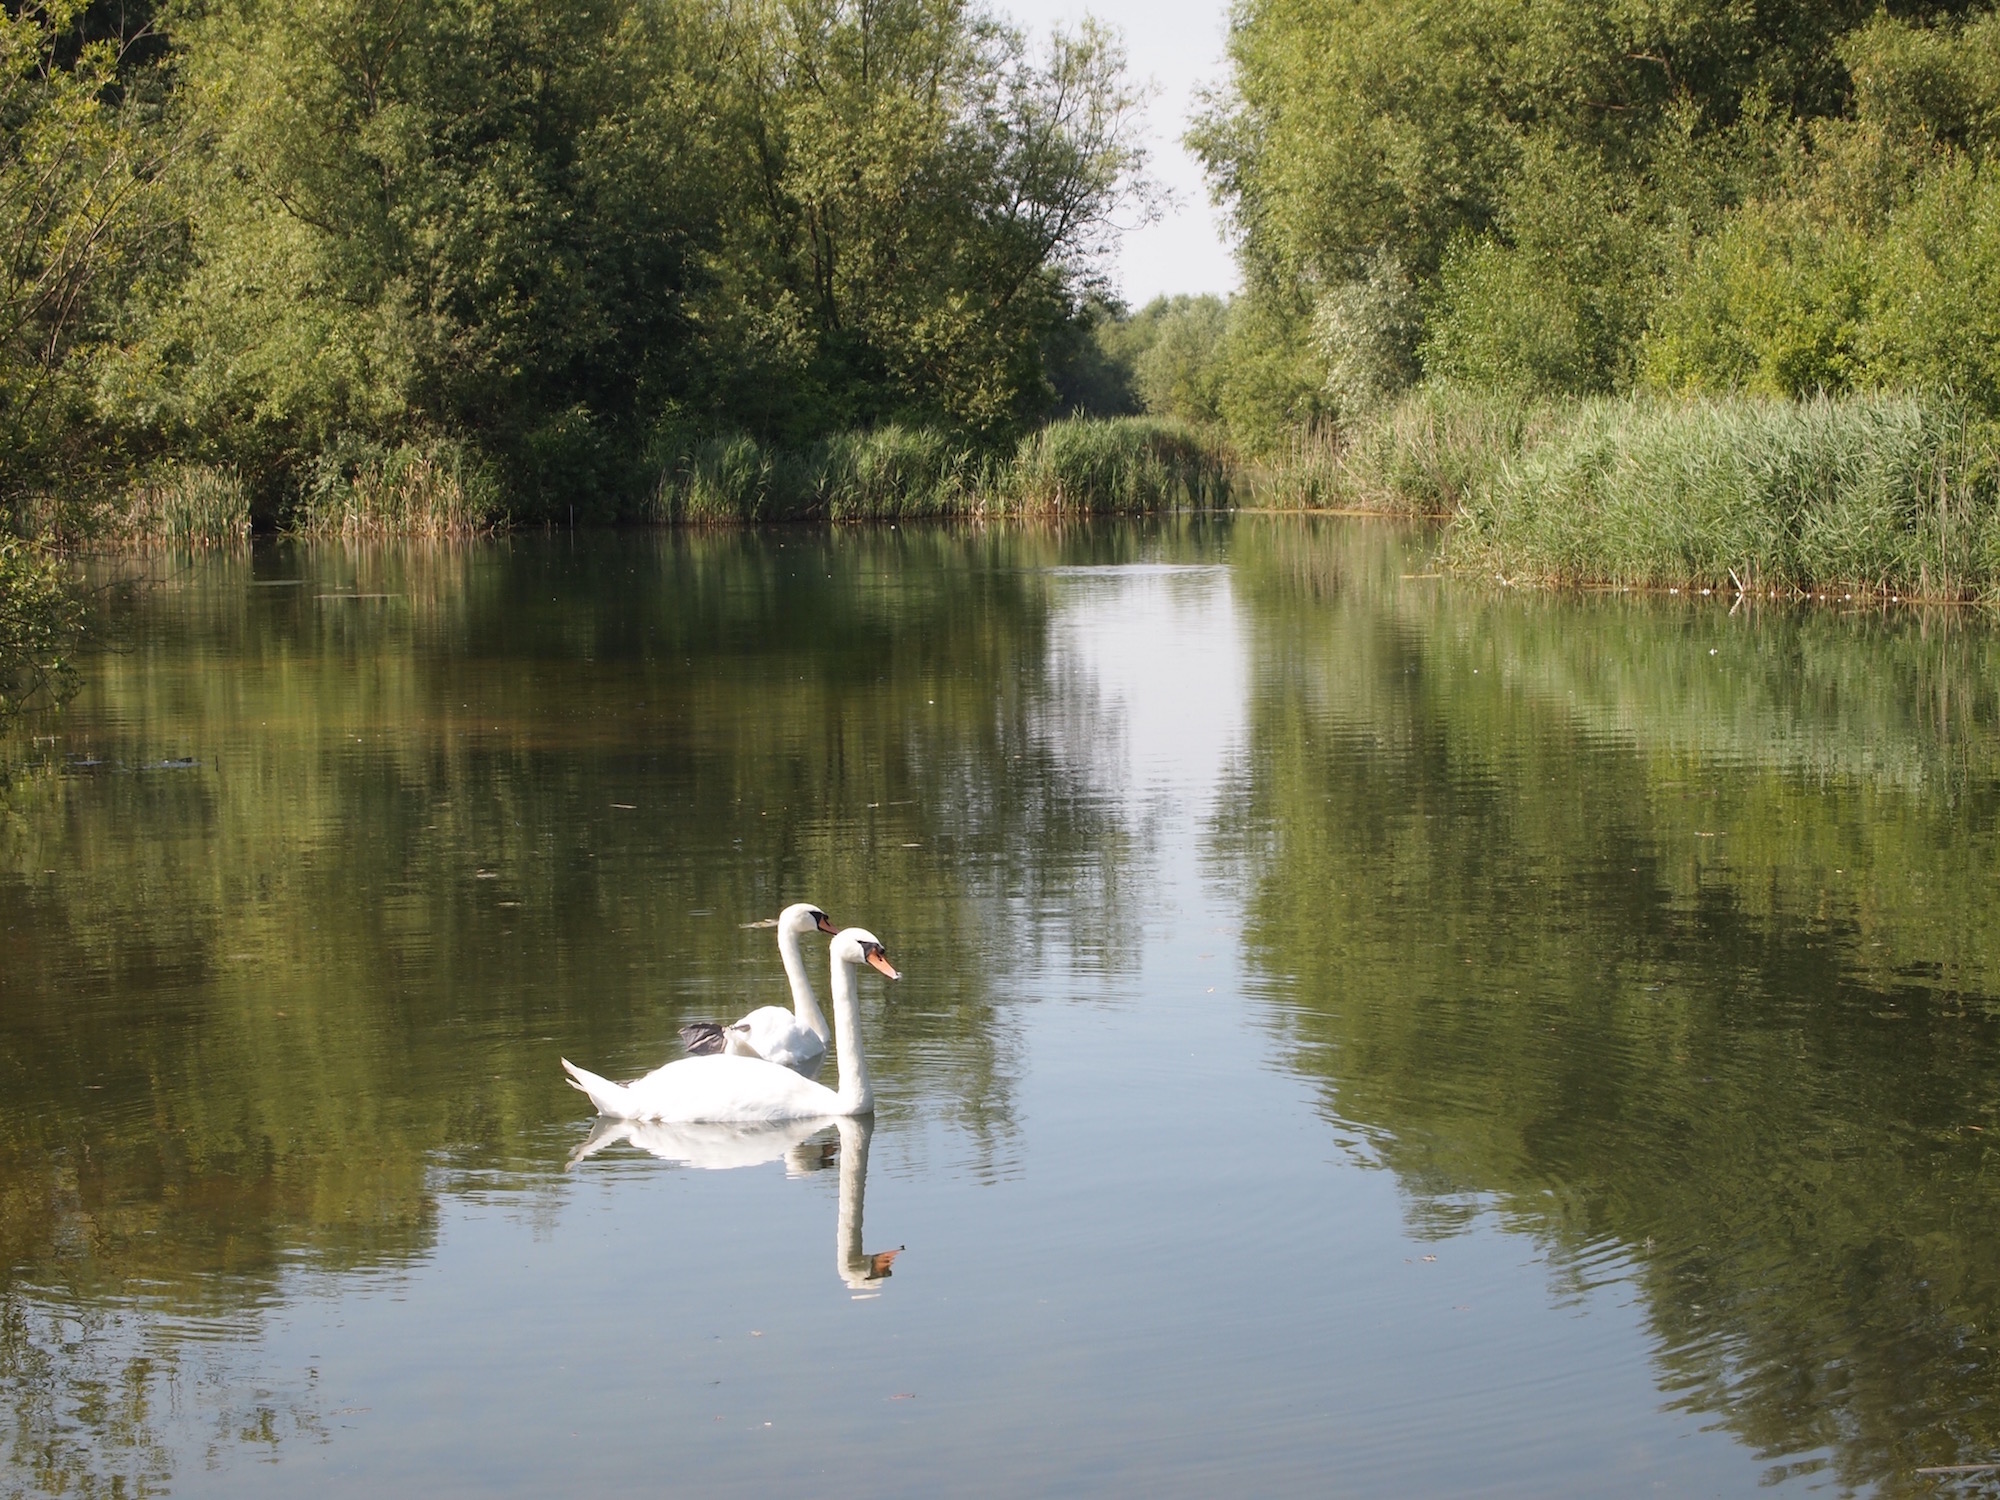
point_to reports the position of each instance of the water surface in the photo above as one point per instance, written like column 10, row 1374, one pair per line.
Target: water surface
column 1361, row 1034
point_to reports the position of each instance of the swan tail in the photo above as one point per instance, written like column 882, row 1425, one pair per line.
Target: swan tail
column 610, row 1098
column 703, row 1038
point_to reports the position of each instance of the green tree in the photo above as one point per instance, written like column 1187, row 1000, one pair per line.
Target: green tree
column 926, row 204
column 1541, row 170
column 80, row 148
column 453, row 219
column 1173, row 347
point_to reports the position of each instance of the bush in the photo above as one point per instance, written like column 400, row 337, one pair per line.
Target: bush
column 1774, row 303
column 1366, row 331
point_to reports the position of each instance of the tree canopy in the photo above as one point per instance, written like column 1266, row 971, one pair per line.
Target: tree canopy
column 542, row 236
column 1589, row 196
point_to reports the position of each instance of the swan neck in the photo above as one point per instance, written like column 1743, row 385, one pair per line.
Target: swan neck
column 855, row 1096
column 805, row 1004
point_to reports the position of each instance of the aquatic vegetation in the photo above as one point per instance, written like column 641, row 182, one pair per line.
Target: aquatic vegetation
column 1081, row 465
column 1124, row 465
column 189, row 505
column 435, row 489
column 1890, row 494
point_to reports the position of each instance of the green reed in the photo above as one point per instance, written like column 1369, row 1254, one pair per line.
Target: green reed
column 1080, row 465
column 1889, row 494
column 431, row 488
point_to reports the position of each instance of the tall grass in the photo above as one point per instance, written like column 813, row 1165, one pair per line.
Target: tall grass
column 182, row 505
column 1424, row 454
column 885, row 473
column 1122, row 465
column 1078, row 465
column 432, row 488
column 190, row 506
column 1891, row 494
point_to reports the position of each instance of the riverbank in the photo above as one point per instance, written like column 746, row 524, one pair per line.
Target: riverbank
column 1076, row 466
column 1890, row 495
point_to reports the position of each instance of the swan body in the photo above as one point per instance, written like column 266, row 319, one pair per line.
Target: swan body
column 726, row 1087
column 794, row 1038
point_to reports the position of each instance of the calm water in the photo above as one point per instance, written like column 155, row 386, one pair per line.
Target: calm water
column 1361, row 1034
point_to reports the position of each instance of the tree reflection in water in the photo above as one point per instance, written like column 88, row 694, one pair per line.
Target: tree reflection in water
column 1668, row 934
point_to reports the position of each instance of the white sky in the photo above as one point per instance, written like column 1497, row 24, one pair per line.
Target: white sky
column 1178, row 44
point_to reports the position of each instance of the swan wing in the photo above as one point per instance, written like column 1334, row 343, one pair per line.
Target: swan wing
column 703, row 1038
column 774, row 1034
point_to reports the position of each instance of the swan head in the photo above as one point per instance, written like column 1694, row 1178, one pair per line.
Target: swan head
column 805, row 917
column 857, row 945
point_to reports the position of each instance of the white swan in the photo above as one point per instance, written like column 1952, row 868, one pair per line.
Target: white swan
column 726, row 1087
column 796, row 1037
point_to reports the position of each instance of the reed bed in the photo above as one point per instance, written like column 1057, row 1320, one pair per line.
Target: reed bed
column 188, row 506
column 178, row 505
column 1890, row 494
column 1425, row 454
column 1121, row 466
column 434, row 488
column 1080, row 465
column 886, row 473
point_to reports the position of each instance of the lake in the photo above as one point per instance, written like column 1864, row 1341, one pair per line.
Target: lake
column 1361, row 1033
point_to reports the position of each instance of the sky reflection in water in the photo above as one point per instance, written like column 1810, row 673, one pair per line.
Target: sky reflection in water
column 1359, row 1035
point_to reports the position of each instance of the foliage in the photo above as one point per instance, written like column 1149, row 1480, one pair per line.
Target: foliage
column 927, row 202
column 1365, row 331
column 458, row 229
column 1875, row 266
column 1173, row 348
column 1773, row 304
column 1781, row 198
column 81, row 144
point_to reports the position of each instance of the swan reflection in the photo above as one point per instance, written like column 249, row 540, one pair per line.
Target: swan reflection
column 803, row 1145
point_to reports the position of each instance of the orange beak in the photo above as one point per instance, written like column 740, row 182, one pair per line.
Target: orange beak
column 826, row 924
column 877, row 959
